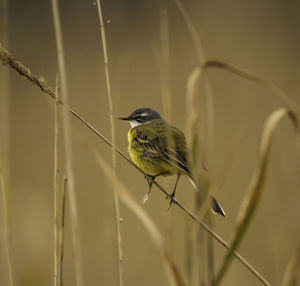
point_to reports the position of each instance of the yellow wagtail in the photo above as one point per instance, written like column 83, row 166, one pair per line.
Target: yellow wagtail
column 149, row 149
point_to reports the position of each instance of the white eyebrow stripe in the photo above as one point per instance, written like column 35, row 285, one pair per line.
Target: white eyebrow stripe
column 145, row 114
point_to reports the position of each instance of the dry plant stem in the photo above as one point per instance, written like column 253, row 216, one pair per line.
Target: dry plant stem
column 7, row 230
column 5, row 148
column 68, row 147
column 55, row 189
column 4, row 98
column 110, row 104
column 10, row 61
column 62, row 231
column 292, row 272
column 256, row 186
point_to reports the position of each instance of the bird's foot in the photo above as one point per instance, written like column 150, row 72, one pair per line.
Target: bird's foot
column 171, row 198
column 150, row 179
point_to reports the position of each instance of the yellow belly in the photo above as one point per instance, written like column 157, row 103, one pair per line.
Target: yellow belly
column 151, row 166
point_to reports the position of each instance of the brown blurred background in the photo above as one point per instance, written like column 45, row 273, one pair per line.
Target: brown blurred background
column 262, row 36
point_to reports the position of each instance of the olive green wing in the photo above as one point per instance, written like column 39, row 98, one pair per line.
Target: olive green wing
column 176, row 150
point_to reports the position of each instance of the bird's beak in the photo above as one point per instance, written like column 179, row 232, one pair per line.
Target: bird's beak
column 124, row 118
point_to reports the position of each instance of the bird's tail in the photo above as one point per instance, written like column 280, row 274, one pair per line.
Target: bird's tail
column 215, row 206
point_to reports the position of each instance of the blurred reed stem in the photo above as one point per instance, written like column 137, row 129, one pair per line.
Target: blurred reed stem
column 8, row 60
column 110, row 104
column 7, row 230
column 5, row 183
column 55, row 189
column 62, row 231
column 68, row 146
column 4, row 98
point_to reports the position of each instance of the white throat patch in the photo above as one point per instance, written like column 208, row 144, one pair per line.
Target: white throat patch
column 134, row 123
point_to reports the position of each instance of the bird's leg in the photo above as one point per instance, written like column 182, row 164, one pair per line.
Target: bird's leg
column 171, row 196
column 150, row 179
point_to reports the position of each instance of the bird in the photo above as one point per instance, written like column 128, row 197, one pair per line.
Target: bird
column 150, row 149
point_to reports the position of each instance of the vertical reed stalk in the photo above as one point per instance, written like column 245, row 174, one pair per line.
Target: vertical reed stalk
column 4, row 95
column 62, row 232
column 7, row 230
column 68, row 146
column 55, row 189
column 5, row 146
column 110, row 104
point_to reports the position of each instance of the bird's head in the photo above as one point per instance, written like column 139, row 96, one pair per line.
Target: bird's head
column 141, row 116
